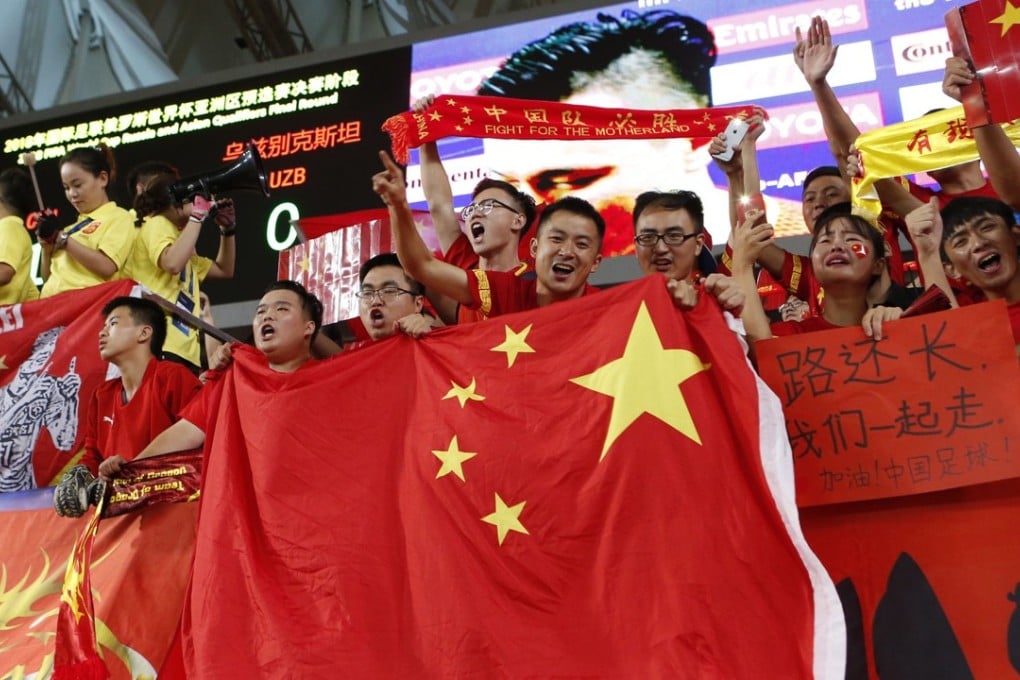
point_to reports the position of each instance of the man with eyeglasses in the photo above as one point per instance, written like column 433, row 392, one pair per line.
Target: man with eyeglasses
column 390, row 300
column 566, row 249
column 669, row 237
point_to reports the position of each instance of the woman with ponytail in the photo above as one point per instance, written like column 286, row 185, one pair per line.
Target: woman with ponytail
column 164, row 260
column 93, row 249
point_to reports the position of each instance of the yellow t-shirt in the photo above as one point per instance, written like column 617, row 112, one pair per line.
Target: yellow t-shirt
column 154, row 236
column 16, row 251
column 110, row 232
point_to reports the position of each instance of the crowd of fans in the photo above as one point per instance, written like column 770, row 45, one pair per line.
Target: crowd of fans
column 963, row 236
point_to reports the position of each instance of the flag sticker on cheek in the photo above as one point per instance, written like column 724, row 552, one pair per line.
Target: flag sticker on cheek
column 859, row 249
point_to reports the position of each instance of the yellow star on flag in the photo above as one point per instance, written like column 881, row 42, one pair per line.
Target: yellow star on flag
column 514, row 344
column 450, row 102
column 468, row 120
column 3, row 363
column 1009, row 18
column 505, row 518
column 435, row 115
column 453, row 459
column 304, row 263
column 646, row 379
column 463, row 394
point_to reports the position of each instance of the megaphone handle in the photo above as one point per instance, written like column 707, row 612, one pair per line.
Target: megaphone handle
column 29, row 159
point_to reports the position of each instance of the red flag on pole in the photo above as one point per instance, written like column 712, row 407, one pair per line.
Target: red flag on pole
column 596, row 489
column 987, row 34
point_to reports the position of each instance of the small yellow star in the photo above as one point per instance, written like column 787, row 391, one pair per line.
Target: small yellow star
column 435, row 115
column 514, row 344
column 451, row 102
column 1009, row 18
column 3, row 363
column 453, row 458
column 711, row 127
column 646, row 379
column 506, row 519
column 468, row 120
column 458, row 128
column 463, row 394
column 304, row 264
column 465, row 109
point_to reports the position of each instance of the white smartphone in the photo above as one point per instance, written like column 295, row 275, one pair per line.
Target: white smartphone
column 734, row 134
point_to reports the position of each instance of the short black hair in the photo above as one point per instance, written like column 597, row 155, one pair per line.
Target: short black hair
column 672, row 200
column 820, row 171
column 578, row 206
column 389, row 260
column 145, row 313
column 310, row 304
column 827, row 215
column 544, row 69
column 16, row 191
column 960, row 211
column 524, row 203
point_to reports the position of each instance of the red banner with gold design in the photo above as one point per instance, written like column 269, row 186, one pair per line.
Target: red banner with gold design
column 917, row 412
column 505, row 118
column 49, row 367
column 76, row 656
column 139, row 569
column 593, row 489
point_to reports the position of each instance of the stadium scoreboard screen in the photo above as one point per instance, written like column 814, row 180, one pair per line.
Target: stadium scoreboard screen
column 317, row 129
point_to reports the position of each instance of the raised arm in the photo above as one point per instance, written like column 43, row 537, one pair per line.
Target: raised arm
column 416, row 258
column 925, row 227
column 815, row 55
column 748, row 241
column 436, row 185
column 996, row 150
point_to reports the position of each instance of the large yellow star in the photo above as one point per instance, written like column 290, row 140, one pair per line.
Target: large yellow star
column 646, row 379
column 3, row 363
column 505, row 518
column 435, row 115
column 453, row 458
column 514, row 344
column 1009, row 18
column 463, row 394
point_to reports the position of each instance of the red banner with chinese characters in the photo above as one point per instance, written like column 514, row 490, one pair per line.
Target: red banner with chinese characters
column 506, row 118
column 577, row 491
column 49, row 367
column 140, row 566
column 987, row 34
column 928, row 407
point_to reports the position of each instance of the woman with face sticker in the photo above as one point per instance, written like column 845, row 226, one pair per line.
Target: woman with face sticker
column 94, row 248
column 848, row 256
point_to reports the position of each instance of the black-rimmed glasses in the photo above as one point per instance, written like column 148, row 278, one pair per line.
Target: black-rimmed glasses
column 387, row 294
column 670, row 238
column 483, row 208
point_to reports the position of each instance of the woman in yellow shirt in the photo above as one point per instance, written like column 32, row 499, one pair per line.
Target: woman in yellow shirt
column 164, row 260
column 16, row 202
column 94, row 249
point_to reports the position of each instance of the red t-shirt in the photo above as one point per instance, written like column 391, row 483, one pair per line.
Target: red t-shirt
column 117, row 428
column 808, row 325
column 924, row 193
column 496, row 293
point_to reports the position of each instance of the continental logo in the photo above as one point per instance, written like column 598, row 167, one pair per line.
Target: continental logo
column 921, row 52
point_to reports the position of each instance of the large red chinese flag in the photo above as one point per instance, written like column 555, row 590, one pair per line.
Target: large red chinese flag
column 49, row 367
column 579, row 491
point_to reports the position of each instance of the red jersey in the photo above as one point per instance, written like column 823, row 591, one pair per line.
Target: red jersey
column 808, row 325
column 496, row 293
column 460, row 254
column 115, row 427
